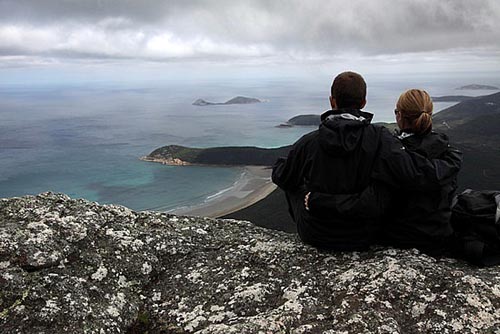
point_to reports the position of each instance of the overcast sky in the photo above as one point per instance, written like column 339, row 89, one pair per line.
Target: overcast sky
column 41, row 32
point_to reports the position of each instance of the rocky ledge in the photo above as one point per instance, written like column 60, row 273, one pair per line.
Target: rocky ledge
column 79, row 267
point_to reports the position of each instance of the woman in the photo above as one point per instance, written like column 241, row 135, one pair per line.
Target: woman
column 411, row 217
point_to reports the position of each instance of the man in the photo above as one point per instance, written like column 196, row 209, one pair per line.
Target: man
column 344, row 156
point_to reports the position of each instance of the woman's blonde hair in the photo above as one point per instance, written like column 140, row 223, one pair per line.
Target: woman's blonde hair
column 415, row 107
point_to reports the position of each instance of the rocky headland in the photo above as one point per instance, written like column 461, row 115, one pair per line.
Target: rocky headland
column 234, row 100
column 73, row 266
column 216, row 156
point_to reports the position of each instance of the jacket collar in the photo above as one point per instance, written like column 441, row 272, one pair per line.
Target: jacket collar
column 404, row 134
column 354, row 112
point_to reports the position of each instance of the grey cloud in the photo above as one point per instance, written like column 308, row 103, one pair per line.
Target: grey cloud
column 294, row 27
column 140, row 11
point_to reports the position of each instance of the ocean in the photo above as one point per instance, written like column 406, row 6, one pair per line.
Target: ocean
column 85, row 140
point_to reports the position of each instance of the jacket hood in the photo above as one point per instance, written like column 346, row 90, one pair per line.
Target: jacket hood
column 341, row 130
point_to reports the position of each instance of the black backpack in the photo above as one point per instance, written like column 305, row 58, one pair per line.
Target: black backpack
column 476, row 223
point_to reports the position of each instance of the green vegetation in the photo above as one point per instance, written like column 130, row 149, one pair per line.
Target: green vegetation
column 143, row 318
column 232, row 156
column 183, row 153
column 5, row 312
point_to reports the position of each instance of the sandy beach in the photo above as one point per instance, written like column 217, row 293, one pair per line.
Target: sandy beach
column 254, row 185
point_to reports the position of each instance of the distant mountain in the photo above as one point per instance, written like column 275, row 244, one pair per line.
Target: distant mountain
column 478, row 87
column 234, row 100
column 474, row 127
column 451, row 98
column 467, row 110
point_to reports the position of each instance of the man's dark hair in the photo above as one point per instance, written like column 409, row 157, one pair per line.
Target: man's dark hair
column 349, row 90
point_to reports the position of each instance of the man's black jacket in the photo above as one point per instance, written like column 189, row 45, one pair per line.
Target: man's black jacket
column 344, row 156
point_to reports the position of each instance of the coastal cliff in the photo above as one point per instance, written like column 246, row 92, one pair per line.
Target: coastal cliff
column 75, row 266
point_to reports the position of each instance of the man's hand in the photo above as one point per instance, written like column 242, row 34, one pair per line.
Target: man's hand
column 306, row 201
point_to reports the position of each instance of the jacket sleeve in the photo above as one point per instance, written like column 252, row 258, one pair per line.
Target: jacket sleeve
column 371, row 203
column 288, row 173
column 403, row 168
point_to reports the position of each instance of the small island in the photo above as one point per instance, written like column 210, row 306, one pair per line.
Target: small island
column 303, row 120
column 478, row 87
column 234, row 100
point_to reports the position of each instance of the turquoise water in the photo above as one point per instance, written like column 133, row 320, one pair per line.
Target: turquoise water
column 86, row 140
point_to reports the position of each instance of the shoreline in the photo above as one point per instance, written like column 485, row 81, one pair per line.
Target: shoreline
column 254, row 184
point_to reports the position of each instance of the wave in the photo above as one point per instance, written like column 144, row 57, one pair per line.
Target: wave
column 217, row 194
column 225, row 190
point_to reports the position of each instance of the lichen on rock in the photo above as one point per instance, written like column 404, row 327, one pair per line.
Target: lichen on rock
column 75, row 266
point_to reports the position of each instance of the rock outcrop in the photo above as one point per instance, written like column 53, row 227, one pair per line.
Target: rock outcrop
column 72, row 266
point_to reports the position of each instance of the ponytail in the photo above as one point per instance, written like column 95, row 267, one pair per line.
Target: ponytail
column 416, row 107
column 422, row 124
